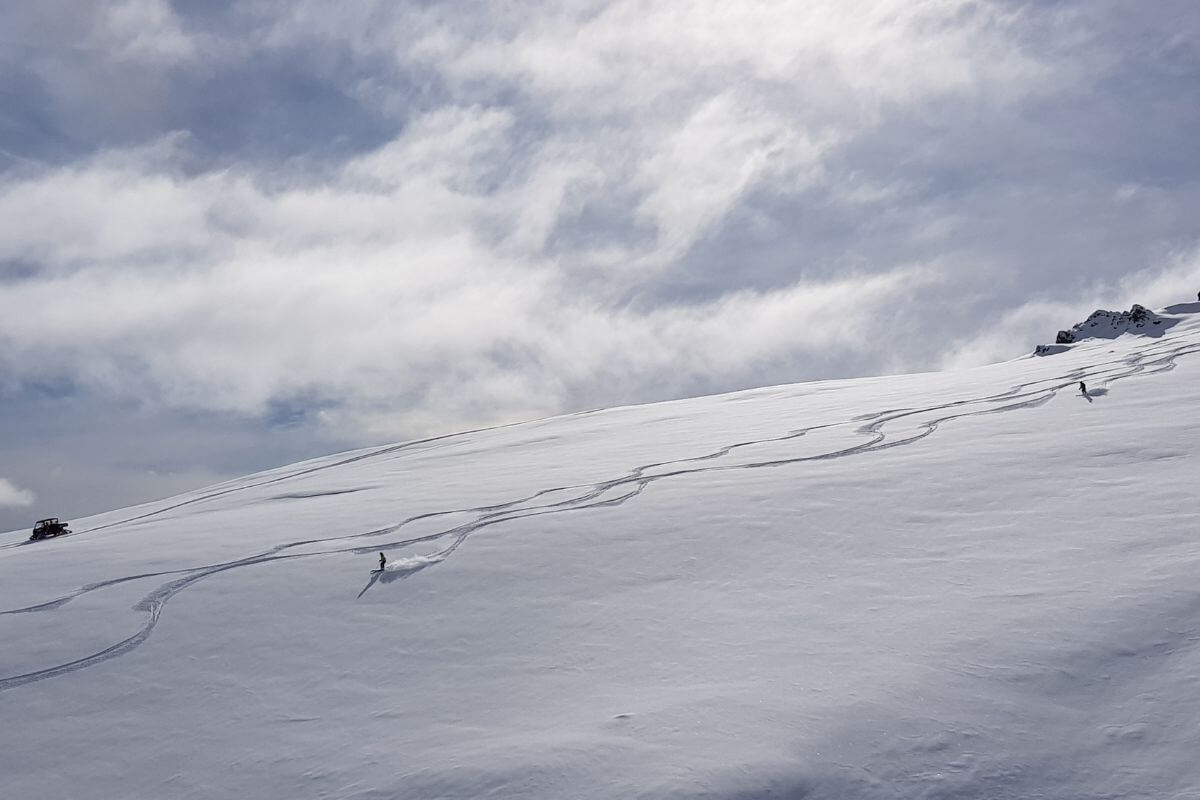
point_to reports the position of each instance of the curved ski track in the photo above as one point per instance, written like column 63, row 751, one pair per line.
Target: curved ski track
column 1152, row 359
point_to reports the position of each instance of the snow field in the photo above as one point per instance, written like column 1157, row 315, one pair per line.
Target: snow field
column 973, row 584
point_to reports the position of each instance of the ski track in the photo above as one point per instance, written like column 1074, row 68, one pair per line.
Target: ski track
column 1152, row 359
column 216, row 492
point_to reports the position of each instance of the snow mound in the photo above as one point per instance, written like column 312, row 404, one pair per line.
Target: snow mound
column 1102, row 324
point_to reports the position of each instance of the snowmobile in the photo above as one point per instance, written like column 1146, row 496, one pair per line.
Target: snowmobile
column 47, row 528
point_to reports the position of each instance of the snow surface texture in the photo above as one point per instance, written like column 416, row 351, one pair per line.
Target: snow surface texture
column 981, row 584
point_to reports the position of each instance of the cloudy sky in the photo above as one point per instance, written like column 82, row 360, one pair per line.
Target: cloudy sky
column 233, row 235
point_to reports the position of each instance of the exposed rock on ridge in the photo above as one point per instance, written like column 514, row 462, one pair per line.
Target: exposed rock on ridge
column 1103, row 324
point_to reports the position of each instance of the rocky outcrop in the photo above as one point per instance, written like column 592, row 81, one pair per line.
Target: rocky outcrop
column 1102, row 324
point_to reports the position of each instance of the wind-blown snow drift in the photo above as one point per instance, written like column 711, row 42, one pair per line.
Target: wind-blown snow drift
column 971, row 584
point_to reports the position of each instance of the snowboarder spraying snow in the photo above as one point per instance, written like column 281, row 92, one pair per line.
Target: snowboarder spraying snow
column 382, row 561
column 1082, row 390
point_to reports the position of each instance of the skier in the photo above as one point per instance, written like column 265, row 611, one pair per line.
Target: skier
column 382, row 561
column 1082, row 390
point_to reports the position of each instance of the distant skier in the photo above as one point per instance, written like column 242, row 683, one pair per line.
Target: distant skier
column 1082, row 390
column 382, row 561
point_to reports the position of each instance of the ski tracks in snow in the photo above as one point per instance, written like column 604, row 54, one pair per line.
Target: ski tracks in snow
column 1154, row 358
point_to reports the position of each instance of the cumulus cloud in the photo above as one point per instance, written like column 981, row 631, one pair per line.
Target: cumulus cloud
column 369, row 288
column 11, row 495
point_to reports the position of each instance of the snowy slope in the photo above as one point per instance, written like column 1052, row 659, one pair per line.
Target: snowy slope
column 978, row 584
